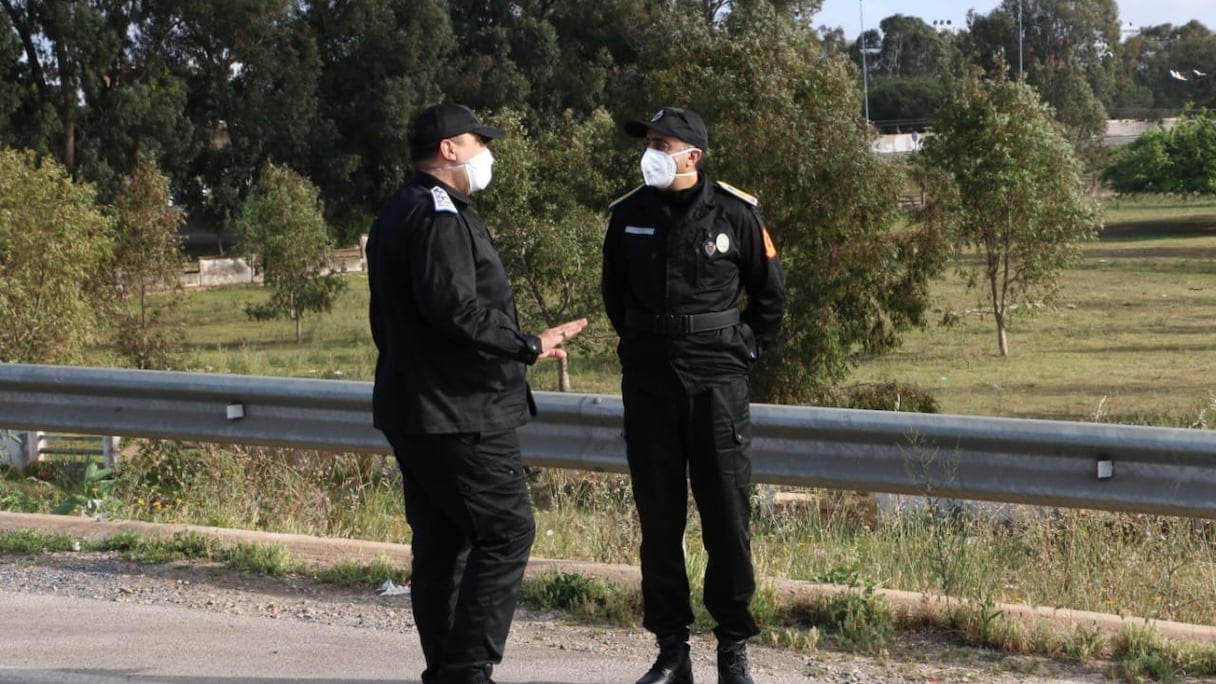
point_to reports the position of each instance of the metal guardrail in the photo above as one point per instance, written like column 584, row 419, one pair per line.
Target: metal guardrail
column 1073, row 464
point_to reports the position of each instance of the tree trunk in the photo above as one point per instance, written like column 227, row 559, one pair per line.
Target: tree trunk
column 1002, row 337
column 563, row 375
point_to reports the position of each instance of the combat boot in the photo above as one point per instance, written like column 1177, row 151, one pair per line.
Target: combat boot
column 732, row 663
column 673, row 666
column 475, row 675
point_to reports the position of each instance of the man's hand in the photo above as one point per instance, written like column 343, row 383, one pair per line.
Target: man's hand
column 552, row 339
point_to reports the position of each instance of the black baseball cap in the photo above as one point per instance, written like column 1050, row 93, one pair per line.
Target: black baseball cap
column 684, row 124
column 443, row 121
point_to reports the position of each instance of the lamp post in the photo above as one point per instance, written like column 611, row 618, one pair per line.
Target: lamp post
column 1020, row 35
column 865, row 72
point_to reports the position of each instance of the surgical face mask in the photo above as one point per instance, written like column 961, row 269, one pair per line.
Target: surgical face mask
column 659, row 168
column 480, row 170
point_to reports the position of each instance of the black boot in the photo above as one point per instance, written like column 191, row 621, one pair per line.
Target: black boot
column 732, row 663
column 673, row 665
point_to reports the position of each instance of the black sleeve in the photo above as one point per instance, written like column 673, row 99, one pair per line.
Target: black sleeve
column 760, row 269
column 612, row 275
column 445, row 291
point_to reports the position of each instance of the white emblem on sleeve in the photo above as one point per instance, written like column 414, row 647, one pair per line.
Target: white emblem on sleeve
column 638, row 230
column 443, row 202
column 723, row 243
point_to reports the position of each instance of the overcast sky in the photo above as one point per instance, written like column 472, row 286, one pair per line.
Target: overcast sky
column 847, row 14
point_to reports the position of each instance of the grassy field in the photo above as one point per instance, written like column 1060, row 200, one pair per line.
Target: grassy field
column 1131, row 338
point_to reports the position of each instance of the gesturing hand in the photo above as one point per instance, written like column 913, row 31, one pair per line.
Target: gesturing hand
column 552, row 339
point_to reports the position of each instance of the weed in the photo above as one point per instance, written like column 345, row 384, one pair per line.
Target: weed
column 91, row 494
column 585, row 597
column 26, row 542
column 348, row 574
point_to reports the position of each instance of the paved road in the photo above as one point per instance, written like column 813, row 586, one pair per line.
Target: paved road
column 46, row 639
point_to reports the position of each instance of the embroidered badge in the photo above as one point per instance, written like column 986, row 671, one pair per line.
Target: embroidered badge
column 710, row 248
column 443, row 202
column 723, row 243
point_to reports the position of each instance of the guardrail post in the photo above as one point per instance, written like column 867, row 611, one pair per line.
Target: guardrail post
column 109, row 450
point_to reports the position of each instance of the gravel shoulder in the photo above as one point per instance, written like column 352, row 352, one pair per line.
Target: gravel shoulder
column 210, row 587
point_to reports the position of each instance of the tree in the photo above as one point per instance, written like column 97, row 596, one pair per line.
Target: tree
column 1180, row 160
column 147, row 259
column 1004, row 181
column 282, row 228
column 381, row 62
column 545, row 230
column 784, row 124
column 55, row 250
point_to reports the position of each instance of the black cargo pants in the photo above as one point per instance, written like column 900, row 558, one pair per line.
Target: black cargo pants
column 466, row 500
column 674, row 438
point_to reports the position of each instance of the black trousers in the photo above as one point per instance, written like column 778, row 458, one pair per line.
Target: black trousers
column 674, row 438
column 466, row 500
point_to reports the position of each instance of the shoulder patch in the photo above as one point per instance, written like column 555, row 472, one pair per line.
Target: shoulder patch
column 443, row 202
column 746, row 197
column 624, row 197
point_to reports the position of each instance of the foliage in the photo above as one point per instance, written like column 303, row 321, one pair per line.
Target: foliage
column 886, row 396
column 29, row 542
column 782, row 126
column 544, row 229
column 380, row 63
column 147, row 259
column 586, row 597
column 55, row 251
column 860, row 617
column 1003, row 181
column 283, row 231
column 91, row 494
column 350, row 574
column 1179, row 160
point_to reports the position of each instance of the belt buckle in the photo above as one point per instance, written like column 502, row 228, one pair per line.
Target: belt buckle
column 673, row 324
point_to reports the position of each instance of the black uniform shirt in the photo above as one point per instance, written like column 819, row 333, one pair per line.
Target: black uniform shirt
column 452, row 357
column 691, row 252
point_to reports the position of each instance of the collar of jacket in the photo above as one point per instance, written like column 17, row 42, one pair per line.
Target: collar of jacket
column 428, row 181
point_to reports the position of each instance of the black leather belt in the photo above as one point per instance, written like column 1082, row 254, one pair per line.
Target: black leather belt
column 674, row 325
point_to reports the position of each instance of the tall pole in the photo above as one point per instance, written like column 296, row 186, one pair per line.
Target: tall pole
column 865, row 72
column 1020, row 34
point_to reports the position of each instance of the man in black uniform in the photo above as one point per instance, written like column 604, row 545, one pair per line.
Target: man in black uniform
column 450, row 392
column 680, row 255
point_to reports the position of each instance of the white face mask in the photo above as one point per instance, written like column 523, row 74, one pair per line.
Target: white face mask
column 480, row 170
column 659, row 168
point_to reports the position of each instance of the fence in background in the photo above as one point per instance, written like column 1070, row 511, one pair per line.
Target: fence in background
column 1055, row 463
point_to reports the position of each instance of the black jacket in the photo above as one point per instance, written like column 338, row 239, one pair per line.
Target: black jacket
column 452, row 357
column 695, row 251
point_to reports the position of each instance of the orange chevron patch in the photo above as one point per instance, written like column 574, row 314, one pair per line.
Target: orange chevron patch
column 770, row 250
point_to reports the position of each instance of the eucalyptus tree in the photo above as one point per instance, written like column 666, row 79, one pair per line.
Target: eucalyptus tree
column 784, row 125
column 1005, row 184
column 147, row 265
column 547, row 216
column 1065, row 48
column 57, row 247
column 282, row 230
column 87, row 92
column 381, row 62
column 252, row 69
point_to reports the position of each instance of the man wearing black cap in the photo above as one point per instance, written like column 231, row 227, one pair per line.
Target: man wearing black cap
column 450, row 392
column 680, row 257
